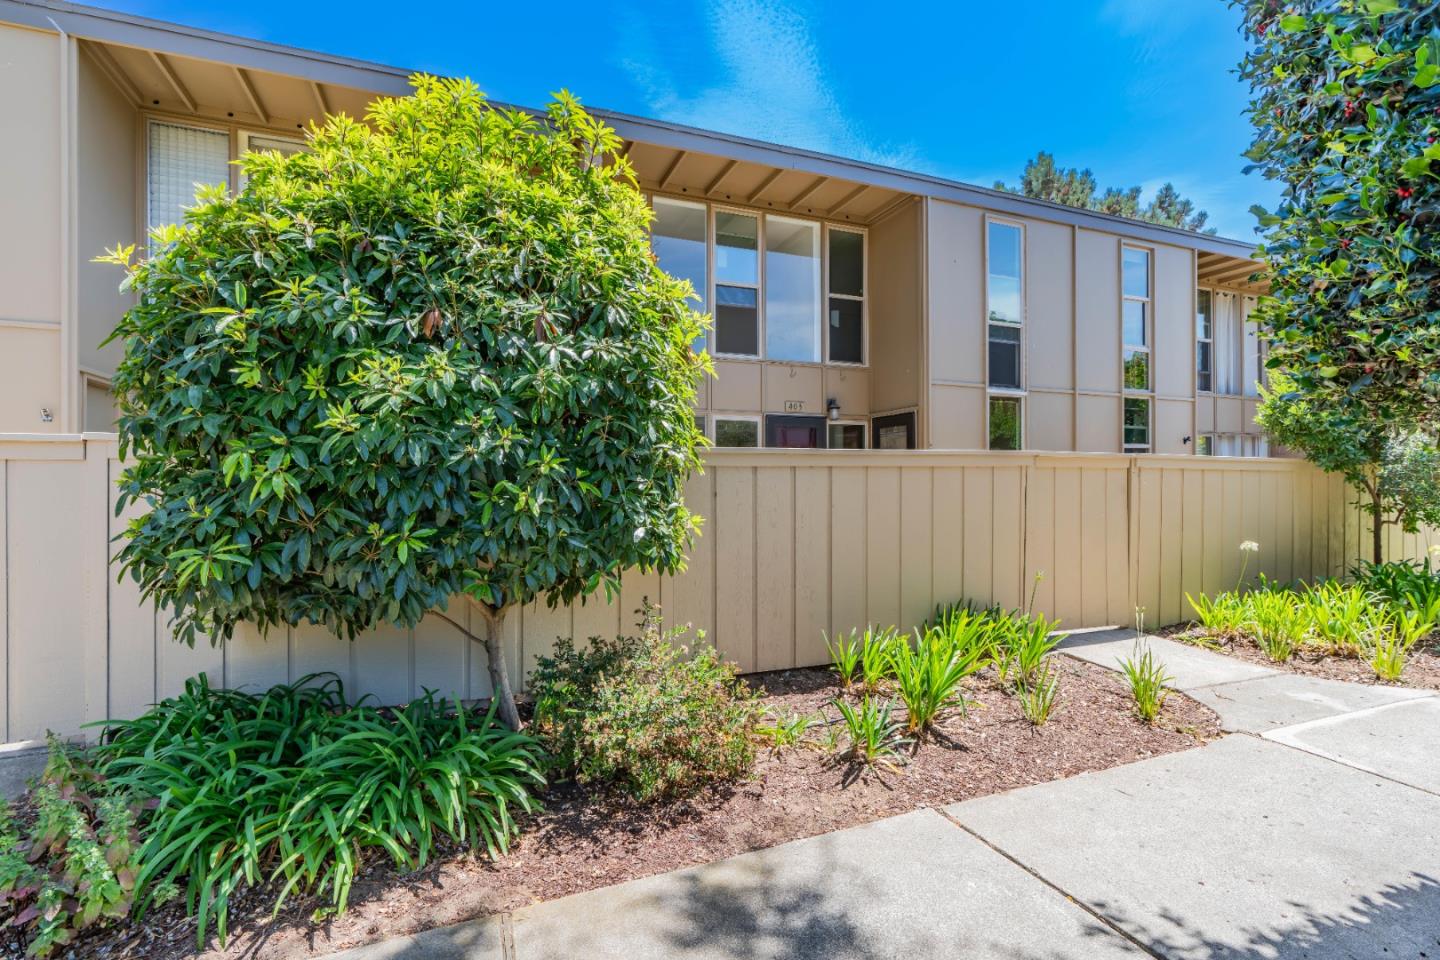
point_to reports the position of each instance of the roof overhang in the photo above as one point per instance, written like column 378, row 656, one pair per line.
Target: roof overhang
column 211, row 74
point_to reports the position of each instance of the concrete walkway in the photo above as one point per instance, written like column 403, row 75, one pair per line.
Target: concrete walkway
column 1312, row 831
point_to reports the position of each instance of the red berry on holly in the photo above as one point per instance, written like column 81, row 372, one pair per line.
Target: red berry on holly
column 1404, row 193
column 1345, row 243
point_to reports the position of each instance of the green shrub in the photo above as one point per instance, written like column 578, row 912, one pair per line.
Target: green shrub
column 845, row 657
column 644, row 714
column 1022, row 644
column 296, row 789
column 1223, row 615
column 785, row 730
column 928, row 675
column 1389, row 642
column 1148, row 680
column 874, row 736
column 1338, row 615
column 1039, row 697
column 77, row 867
column 877, row 657
column 1278, row 623
column 432, row 355
column 1402, row 584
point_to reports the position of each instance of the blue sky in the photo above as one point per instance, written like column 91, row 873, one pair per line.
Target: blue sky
column 1140, row 91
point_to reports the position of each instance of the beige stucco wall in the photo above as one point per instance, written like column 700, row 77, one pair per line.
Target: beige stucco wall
column 896, row 289
column 30, row 244
column 107, row 184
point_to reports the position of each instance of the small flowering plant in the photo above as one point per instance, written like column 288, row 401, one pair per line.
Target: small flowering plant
column 1247, row 547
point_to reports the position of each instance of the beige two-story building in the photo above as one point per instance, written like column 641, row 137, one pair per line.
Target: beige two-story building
column 855, row 306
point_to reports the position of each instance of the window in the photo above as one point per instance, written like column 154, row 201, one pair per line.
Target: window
column 1005, row 433
column 180, row 160
column 847, row 297
column 1135, row 318
column 1004, row 302
column 1204, row 342
column 737, row 284
column 1137, row 425
column 699, row 423
column 1004, row 357
column 847, row 436
column 895, row 431
column 1234, row 445
column 737, row 431
column 792, row 290
column 777, row 287
column 1205, row 445
column 251, row 142
column 806, row 433
column 678, row 239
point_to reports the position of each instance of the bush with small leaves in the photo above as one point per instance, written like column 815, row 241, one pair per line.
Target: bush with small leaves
column 644, row 714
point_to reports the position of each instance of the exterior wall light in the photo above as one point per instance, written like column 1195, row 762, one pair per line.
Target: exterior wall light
column 832, row 407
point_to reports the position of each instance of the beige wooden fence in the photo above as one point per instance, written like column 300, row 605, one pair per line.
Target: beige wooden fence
column 796, row 544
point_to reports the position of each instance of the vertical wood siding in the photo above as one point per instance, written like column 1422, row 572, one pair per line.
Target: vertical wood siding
column 796, row 545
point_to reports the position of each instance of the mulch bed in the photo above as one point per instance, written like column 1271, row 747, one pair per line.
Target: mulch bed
column 584, row 839
column 1422, row 669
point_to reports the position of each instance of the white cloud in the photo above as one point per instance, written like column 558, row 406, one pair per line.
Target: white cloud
column 773, row 84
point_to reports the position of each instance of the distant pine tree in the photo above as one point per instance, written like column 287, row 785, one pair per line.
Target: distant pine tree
column 1075, row 187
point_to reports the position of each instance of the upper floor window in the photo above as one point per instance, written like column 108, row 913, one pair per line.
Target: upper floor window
column 678, row 238
column 179, row 160
column 778, row 287
column 792, row 289
column 737, row 283
column 846, row 328
column 1135, row 318
column 1005, row 306
column 1204, row 342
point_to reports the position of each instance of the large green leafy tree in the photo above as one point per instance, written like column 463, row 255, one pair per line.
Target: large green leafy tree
column 1346, row 108
column 432, row 357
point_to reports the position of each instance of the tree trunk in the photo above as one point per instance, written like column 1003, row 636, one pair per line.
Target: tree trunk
column 501, row 692
column 1377, row 525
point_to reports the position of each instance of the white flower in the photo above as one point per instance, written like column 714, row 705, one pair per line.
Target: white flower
column 1435, row 550
column 1249, row 546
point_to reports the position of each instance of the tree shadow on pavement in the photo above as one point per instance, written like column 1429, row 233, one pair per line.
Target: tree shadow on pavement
column 763, row 915
column 1401, row 919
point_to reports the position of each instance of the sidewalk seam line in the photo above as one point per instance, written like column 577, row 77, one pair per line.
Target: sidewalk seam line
column 507, row 935
column 1331, row 758
column 1340, row 717
column 1104, row 920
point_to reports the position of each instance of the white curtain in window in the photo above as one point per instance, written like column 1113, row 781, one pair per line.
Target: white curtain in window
column 1228, row 338
column 181, row 159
